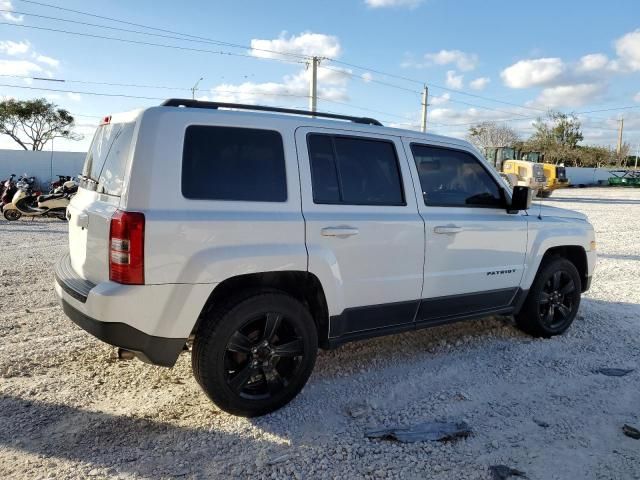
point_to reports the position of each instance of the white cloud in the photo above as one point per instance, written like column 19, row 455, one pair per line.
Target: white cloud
column 292, row 88
column 52, row 62
column 462, row 61
column 479, row 83
column 76, row 97
column 628, row 50
column 14, row 48
column 439, row 100
column 529, row 73
column 367, row 77
column 393, row 3
column 637, row 97
column 307, row 43
column 18, row 67
column 9, row 15
column 569, row 95
column 453, row 80
column 593, row 62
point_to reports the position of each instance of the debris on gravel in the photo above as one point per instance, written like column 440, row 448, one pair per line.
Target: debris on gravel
column 427, row 431
column 630, row 431
column 502, row 472
column 614, row 372
column 69, row 408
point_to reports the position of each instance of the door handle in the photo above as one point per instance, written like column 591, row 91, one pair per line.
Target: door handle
column 340, row 232
column 447, row 229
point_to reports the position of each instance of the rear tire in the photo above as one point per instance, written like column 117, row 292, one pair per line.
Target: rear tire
column 553, row 299
column 12, row 215
column 254, row 355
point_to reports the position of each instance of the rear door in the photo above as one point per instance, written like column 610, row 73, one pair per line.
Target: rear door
column 475, row 250
column 363, row 230
column 101, row 185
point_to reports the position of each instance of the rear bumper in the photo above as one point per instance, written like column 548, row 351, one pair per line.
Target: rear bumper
column 153, row 321
column 155, row 350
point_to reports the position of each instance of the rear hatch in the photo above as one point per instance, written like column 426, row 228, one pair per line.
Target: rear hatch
column 101, row 184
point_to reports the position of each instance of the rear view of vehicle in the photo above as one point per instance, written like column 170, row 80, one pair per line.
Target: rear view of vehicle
column 101, row 281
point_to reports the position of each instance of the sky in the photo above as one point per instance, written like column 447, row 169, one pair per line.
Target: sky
column 501, row 60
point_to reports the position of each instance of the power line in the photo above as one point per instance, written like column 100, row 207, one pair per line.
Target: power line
column 306, row 57
column 218, row 42
column 367, row 80
column 172, row 37
column 134, row 85
column 431, row 84
column 194, row 38
column 140, row 42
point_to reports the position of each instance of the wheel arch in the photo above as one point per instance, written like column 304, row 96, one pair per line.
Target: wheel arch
column 303, row 286
column 576, row 254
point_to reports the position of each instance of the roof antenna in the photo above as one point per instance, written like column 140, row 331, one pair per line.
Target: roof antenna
column 539, row 206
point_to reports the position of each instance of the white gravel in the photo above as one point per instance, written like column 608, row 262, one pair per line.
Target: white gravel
column 68, row 410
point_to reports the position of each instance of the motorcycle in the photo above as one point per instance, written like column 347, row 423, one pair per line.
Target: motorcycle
column 27, row 202
column 62, row 179
column 7, row 191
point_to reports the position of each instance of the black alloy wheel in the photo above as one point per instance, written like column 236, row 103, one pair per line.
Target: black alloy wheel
column 553, row 299
column 557, row 299
column 254, row 353
column 263, row 356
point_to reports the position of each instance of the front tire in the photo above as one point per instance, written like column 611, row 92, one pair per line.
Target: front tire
column 255, row 354
column 12, row 215
column 553, row 299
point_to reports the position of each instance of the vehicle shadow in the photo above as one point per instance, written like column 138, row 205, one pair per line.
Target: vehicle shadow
column 604, row 201
column 118, row 444
column 36, row 230
column 612, row 256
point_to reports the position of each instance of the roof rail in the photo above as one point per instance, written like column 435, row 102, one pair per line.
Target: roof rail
column 180, row 102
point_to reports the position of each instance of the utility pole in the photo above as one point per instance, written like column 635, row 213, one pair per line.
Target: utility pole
column 313, row 84
column 637, row 151
column 425, row 98
column 620, row 136
column 194, row 89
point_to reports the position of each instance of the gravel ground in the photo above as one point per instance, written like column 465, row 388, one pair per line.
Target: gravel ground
column 69, row 410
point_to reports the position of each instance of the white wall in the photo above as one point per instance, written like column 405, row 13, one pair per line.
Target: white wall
column 588, row 176
column 42, row 165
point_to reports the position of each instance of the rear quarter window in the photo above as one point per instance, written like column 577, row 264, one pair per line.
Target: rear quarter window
column 229, row 163
column 106, row 160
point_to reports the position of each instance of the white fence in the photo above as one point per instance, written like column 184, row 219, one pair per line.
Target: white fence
column 588, row 176
column 45, row 166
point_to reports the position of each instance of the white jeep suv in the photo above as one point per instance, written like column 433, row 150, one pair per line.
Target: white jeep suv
column 263, row 233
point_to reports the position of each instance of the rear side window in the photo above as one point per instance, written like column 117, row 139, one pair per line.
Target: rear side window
column 453, row 178
column 354, row 171
column 227, row 163
column 104, row 166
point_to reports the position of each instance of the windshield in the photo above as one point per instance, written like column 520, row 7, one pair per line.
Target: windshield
column 106, row 160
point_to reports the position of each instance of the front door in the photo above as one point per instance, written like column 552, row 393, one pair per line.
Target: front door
column 475, row 250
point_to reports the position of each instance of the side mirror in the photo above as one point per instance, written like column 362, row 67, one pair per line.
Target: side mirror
column 520, row 199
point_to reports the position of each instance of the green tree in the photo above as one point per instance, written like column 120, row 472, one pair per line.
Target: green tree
column 557, row 135
column 34, row 123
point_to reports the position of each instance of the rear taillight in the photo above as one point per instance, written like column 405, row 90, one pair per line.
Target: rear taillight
column 126, row 248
